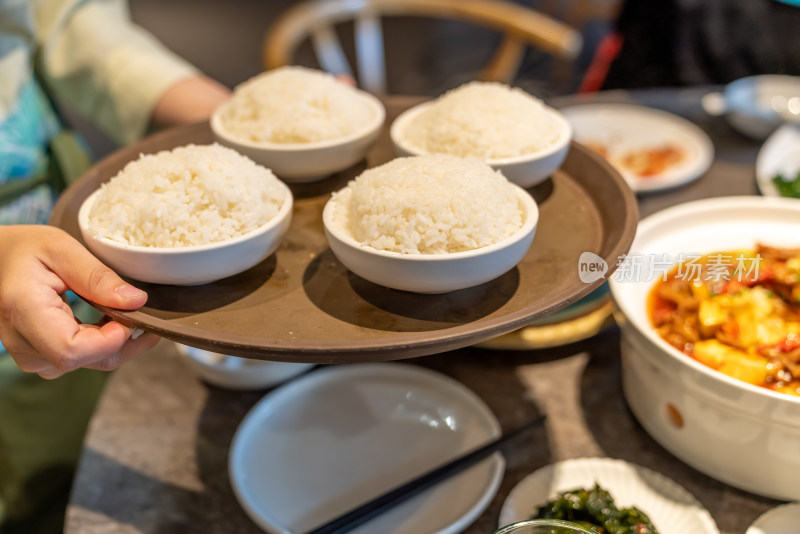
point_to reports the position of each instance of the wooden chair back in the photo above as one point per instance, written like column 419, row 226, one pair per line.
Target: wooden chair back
column 316, row 20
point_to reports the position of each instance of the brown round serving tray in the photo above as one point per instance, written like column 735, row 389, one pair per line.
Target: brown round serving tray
column 302, row 305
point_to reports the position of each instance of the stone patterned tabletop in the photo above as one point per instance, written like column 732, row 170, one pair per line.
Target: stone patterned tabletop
column 155, row 461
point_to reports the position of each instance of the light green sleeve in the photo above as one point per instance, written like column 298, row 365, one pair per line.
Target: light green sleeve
column 102, row 65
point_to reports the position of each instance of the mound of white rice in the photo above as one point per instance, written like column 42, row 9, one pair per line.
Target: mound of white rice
column 294, row 105
column 192, row 195
column 428, row 205
column 486, row 120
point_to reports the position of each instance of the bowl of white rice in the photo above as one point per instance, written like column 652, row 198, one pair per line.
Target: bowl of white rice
column 508, row 128
column 191, row 215
column 430, row 224
column 301, row 123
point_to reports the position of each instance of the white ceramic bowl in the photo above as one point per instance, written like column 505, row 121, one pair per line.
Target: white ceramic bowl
column 308, row 162
column 752, row 105
column 190, row 265
column 433, row 273
column 232, row 372
column 525, row 171
column 741, row 434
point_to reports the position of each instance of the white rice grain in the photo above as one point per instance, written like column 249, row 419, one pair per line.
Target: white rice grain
column 485, row 120
column 429, row 205
column 294, row 105
column 191, row 195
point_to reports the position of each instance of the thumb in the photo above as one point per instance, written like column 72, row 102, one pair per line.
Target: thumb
column 91, row 279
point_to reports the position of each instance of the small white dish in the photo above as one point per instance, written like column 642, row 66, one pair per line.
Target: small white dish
column 623, row 128
column 780, row 154
column 672, row 509
column 526, row 170
column 232, row 372
column 191, row 265
column 433, row 273
column 308, row 162
column 783, row 519
column 338, row 437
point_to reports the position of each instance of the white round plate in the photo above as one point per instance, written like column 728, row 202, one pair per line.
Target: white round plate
column 783, row 519
column 340, row 436
column 621, row 128
column 672, row 509
column 780, row 153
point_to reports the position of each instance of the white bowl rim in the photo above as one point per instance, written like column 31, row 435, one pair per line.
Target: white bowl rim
column 528, row 225
column 195, row 354
column 367, row 130
column 642, row 324
column 565, row 136
column 284, row 212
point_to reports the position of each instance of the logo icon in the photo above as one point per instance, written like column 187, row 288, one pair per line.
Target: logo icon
column 591, row 267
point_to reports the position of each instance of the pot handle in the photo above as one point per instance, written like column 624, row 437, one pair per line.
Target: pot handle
column 714, row 103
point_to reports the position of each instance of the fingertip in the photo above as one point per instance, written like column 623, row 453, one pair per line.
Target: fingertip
column 116, row 334
column 148, row 341
column 347, row 79
column 140, row 338
column 130, row 296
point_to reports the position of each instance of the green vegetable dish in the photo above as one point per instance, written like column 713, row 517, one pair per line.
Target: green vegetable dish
column 787, row 187
column 595, row 509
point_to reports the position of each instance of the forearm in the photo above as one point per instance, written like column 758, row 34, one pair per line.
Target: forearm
column 189, row 100
column 105, row 67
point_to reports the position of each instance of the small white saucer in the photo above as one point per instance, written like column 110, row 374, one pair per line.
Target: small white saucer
column 620, row 128
column 671, row 508
column 783, row 519
column 340, row 436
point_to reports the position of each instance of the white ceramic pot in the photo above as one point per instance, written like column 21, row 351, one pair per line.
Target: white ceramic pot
column 744, row 435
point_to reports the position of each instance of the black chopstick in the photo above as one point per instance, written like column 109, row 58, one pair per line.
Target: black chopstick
column 371, row 509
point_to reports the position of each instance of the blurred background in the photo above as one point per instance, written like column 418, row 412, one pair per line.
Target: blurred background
column 224, row 39
column 424, row 56
column 654, row 44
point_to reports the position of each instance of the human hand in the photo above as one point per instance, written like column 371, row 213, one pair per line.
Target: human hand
column 38, row 264
column 188, row 101
column 347, row 79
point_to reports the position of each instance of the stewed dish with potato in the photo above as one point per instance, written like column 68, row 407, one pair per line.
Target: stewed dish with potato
column 737, row 312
